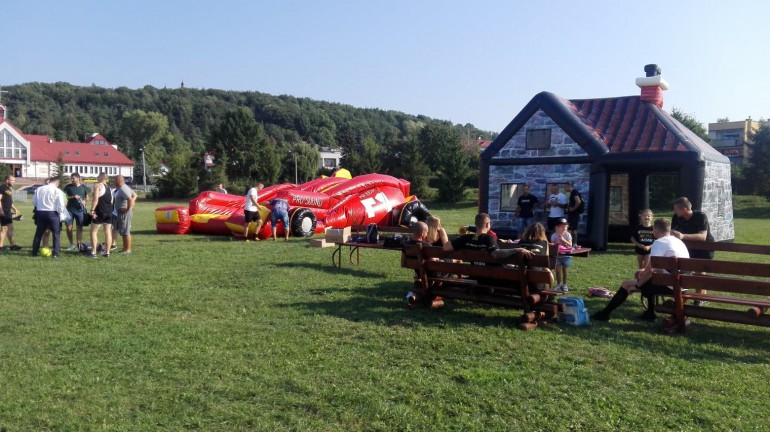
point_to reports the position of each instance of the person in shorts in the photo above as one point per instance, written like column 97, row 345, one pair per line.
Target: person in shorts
column 125, row 198
column 280, row 212
column 561, row 237
column 251, row 212
column 7, row 209
column 77, row 195
column 101, row 213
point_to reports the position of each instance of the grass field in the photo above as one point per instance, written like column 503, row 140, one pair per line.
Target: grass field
column 204, row 333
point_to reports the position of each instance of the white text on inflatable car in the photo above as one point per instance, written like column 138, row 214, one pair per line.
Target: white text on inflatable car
column 372, row 204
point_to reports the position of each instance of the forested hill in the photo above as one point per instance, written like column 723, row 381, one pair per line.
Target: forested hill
column 195, row 117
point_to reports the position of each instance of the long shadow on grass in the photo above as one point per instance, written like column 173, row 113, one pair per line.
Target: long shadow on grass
column 384, row 304
column 350, row 270
column 705, row 340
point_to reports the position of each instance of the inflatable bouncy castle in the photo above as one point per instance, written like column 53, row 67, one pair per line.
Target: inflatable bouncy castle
column 334, row 202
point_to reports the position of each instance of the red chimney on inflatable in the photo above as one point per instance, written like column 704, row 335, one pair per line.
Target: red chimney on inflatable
column 653, row 85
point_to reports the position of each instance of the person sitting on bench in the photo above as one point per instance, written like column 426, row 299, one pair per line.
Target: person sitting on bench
column 665, row 245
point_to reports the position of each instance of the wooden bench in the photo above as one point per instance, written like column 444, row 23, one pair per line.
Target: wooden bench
column 479, row 277
column 736, row 283
column 355, row 247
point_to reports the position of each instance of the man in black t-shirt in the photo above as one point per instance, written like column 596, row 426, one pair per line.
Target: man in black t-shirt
column 6, row 214
column 691, row 225
column 573, row 213
column 524, row 206
column 480, row 240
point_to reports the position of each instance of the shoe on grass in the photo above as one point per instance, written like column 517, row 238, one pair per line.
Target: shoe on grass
column 700, row 302
column 15, row 248
column 72, row 247
column 601, row 316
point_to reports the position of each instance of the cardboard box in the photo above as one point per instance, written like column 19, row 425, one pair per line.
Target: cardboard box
column 320, row 243
column 337, row 235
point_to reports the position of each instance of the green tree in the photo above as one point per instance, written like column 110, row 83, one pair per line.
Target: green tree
column 453, row 173
column 181, row 181
column 414, row 169
column 5, row 171
column 691, row 123
column 248, row 153
column 59, row 168
column 758, row 167
column 370, row 159
column 209, row 178
column 145, row 132
column 307, row 159
column 443, row 149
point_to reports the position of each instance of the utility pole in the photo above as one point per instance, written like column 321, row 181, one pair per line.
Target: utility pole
column 144, row 170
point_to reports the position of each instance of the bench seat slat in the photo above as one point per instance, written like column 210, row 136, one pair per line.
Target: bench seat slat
column 728, row 300
column 724, row 267
column 720, row 283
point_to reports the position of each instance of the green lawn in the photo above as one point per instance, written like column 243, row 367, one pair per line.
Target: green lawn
column 204, row 333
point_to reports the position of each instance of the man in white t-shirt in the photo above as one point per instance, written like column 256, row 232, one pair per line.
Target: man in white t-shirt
column 251, row 211
column 665, row 245
column 555, row 204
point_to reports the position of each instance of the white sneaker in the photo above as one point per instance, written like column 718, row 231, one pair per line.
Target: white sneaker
column 72, row 247
column 564, row 288
column 557, row 287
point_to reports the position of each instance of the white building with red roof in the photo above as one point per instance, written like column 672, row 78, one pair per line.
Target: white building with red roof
column 34, row 156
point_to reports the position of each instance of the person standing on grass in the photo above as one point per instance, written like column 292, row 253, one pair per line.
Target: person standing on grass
column 665, row 245
column 50, row 205
column 555, row 205
column 101, row 213
column 642, row 238
column 7, row 209
column 125, row 198
column 525, row 210
column 251, row 212
column 574, row 207
column 563, row 239
column 691, row 225
column 280, row 212
column 77, row 195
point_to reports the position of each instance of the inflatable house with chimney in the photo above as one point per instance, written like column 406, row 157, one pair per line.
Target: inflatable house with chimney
column 612, row 149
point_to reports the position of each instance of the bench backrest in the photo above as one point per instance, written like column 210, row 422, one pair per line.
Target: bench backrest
column 726, row 276
column 436, row 259
column 668, row 277
column 728, row 247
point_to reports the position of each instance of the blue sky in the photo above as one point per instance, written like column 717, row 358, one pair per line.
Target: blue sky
column 469, row 62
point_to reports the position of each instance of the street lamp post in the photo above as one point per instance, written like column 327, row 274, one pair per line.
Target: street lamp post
column 296, row 181
column 294, row 153
column 144, row 170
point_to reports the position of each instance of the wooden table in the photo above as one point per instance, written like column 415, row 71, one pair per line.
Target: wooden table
column 579, row 252
column 355, row 249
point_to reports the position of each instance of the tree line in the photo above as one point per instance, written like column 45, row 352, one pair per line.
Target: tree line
column 252, row 135
column 753, row 176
